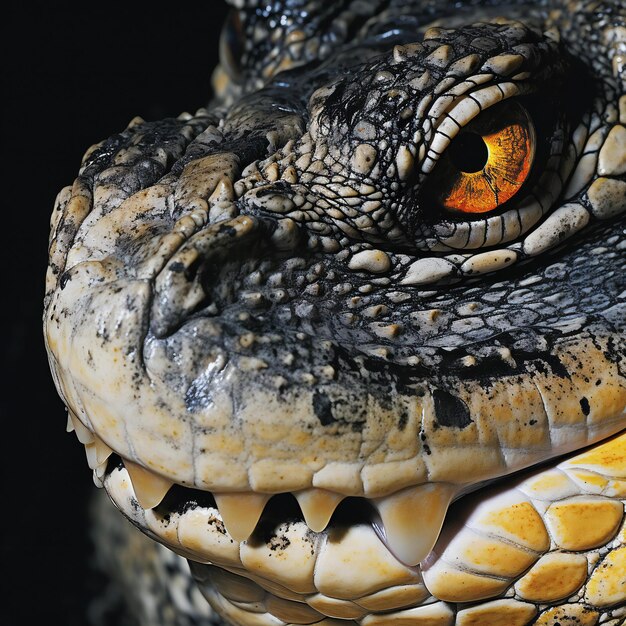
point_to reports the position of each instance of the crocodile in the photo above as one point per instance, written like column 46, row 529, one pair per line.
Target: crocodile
column 350, row 339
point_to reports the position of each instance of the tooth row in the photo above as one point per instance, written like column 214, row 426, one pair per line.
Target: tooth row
column 411, row 518
column 96, row 451
column 291, row 561
column 83, row 434
column 569, row 518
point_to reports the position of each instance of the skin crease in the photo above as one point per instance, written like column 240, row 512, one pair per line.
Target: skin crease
column 262, row 298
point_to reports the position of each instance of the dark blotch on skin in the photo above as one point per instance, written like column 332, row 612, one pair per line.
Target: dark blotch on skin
column 65, row 278
column 450, row 411
column 197, row 396
column 323, row 408
column 229, row 230
column 584, row 405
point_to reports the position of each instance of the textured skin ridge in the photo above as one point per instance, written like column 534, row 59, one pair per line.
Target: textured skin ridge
column 267, row 298
column 352, row 341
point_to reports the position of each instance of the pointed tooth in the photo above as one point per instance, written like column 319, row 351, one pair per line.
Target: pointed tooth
column 100, row 470
column 150, row 488
column 90, row 452
column 97, row 452
column 84, row 435
column 318, row 506
column 70, row 425
column 412, row 519
column 240, row 512
column 98, row 473
column 103, row 452
column 223, row 192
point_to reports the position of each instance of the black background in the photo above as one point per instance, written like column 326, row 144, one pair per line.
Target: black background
column 71, row 77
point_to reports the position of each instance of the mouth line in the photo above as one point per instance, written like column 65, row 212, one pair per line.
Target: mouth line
column 253, row 518
column 347, row 570
column 282, row 557
column 278, row 508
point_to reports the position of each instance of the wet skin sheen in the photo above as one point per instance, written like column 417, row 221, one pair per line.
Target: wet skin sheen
column 351, row 338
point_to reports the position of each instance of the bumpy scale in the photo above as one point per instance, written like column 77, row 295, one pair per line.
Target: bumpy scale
column 351, row 339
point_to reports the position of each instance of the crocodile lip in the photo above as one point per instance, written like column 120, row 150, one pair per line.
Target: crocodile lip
column 411, row 514
column 345, row 571
column 190, row 523
column 408, row 522
column 199, row 523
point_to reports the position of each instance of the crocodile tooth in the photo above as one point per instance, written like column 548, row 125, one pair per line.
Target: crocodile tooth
column 317, row 506
column 150, row 488
column 90, row 452
column 240, row 512
column 97, row 452
column 97, row 480
column 100, row 470
column 412, row 519
column 84, row 435
column 103, row 452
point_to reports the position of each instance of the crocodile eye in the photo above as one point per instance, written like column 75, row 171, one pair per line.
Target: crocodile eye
column 488, row 162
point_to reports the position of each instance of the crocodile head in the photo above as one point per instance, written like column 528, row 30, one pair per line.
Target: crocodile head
column 382, row 269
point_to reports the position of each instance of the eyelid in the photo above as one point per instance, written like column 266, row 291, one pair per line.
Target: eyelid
column 566, row 221
column 464, row 109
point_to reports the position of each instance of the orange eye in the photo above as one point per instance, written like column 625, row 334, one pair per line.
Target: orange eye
column 487, row 163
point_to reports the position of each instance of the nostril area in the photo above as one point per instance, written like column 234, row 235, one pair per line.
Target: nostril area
column 181, row 287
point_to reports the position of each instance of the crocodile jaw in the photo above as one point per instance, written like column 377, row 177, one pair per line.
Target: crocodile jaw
column 495, row 538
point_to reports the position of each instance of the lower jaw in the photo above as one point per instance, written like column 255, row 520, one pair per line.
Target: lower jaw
column 496, row 548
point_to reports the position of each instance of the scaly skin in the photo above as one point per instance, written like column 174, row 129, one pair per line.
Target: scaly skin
column 264, row 298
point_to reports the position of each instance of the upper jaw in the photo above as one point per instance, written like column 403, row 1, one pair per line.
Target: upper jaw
column 244, row 437
column 214, row 403
column 266, row 415
column 248, row 401
column 227, row 406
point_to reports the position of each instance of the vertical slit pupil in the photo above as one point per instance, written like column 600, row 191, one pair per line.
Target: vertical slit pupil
column 469, row 152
